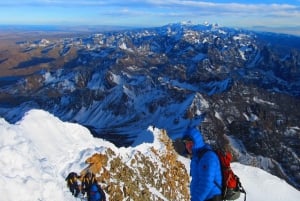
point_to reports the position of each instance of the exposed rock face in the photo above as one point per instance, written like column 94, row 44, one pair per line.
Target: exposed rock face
column 118, row 83
column 139, row 175
column 263, row 123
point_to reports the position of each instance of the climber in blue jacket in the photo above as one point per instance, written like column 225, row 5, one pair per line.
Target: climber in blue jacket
column 205, row 170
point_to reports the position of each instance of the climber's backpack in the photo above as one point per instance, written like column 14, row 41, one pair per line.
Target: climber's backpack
column 72, row 183
column 231, row 185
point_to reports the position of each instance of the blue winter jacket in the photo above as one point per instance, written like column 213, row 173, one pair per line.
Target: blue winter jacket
column 205, row 171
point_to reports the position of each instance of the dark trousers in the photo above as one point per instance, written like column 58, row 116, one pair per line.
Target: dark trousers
column 215, row 198
column 74, row 190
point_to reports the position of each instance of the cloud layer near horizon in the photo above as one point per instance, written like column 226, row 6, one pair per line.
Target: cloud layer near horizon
column 155, row 12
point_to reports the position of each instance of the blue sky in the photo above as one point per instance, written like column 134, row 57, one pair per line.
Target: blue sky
column 234, row 13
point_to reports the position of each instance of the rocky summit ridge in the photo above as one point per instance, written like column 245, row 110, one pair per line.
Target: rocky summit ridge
column 241, row 87
column 140, row 175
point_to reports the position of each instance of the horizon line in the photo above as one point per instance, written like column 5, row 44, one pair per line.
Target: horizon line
column 292, row 30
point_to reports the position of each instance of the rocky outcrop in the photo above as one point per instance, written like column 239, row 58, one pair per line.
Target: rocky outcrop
column 140, row 176
column 119, row 83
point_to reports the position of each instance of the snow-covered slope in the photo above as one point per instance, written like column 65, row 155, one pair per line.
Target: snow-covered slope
column 118, row 83
column 36, row 154
column 39, row 151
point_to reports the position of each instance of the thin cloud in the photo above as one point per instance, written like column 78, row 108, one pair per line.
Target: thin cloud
column 179, row 4
column 53, row 3
column 159, row 11
column 225, row 9
column 237, row 7
column 284, row 14
column 190, row 8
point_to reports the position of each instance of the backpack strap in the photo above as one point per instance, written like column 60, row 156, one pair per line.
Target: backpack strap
column 241, row 188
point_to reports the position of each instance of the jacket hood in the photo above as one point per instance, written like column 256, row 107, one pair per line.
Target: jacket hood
column 196, row 136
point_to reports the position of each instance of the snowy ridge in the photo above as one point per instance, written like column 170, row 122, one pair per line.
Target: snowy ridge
column 39, row 151
column 35, row 153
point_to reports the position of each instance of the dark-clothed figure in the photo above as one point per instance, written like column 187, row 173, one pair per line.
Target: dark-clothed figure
column 92, row 188
column 72, row 183
column 88, row 179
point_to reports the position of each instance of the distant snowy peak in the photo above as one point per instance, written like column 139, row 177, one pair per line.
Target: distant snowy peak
column 118, row 83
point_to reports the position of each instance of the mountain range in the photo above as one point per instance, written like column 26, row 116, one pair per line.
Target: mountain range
column 241, row 88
